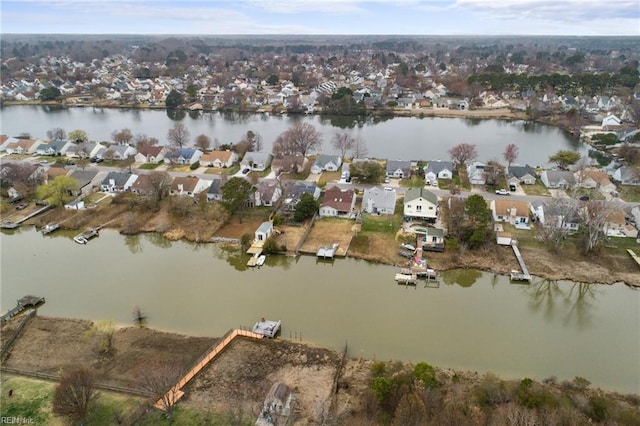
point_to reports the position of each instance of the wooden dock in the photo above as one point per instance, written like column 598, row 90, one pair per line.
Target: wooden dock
column 634, row 256
column 326, row 252
column 516, row 275
column 175, row 393
column 86, row 236
column 24, row 303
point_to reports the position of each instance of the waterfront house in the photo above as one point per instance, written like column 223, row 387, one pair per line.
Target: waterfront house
column 289, row 164
column 476, row 173
column 183, row 156
column 594, row 179
column 512, row 211
column 267, row 193
column 150, row 154
column 23, row 146
column 119, row 152
column 83, row 150
column 117, row 182
column 627, row 176
column 85, row 179
column 256, row 161
column 218, row 159
column 143, row 186
column 431, row 239
column 379, row 200
column 326, row 163
column 338, row 203
column 558, row 179
column 214, row 193
column 399, row 169
column 615, row 223
column 53, row 148
column 561, row 214
column 294, row 190
column 188, row 186
column 519, row 175
column 264, row 231
column 437, row 169
column 421, row 204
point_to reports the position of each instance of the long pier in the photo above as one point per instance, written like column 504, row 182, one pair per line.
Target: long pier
column 24, row 303
column 515, row 275
column 634, row 256
column 175, row 393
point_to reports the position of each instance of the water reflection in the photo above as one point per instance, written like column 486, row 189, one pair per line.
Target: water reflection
column 343, row 121
column 194, row 115
column 575, row 301
column 133, row 243
column 472, row 122
column 176, row 114
column 462, row 277
column 158, row 240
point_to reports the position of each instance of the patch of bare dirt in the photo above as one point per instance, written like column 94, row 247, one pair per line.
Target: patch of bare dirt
column 236, row 228
column 326, row 232
column 290, row 235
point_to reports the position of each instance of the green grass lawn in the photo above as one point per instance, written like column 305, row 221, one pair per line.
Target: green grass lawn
column 223, row 170
column 414, row 182
column 149, row 166
column 629, row 193
column 536, row 189
column 384, row 223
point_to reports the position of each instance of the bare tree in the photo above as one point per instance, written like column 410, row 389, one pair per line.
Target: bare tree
column 105, row 332
column 463, row 152
column 359, row 149
column 299, row 139
column 122, row 137
column 594, row 216
column 510, row 153
column 57, row 134
column 160, row 182
column 178, row 135
column 255, row 141
column 160, row 379
column 74, row 394
column 557, row 215
column 203, row 142
column 141, row 139
column 343, row 142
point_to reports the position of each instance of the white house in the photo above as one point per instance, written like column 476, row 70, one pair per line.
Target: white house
column 267, row 193
column 117, row 182
column 379, row 200
column 626, row 176
column 521, row 175
column 218, row 159
column 119, row 152
column 75, row 205
column 399, row 169
column 257, row 161
column 610, row 120
column 326, row 163
column 420, row 203
column 183, row 156
column 511, row 211
column 476, row 174
column 150, row 154
column 437, row 169
column 264, row 231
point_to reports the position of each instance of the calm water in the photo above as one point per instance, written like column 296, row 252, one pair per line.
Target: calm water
column 397, row 138
column 473, row 321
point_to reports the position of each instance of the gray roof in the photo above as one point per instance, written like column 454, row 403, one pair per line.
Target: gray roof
column 324, row 159
column 265, row 227
column 120, row 179
column 437, row 166
column 215, row 187
column 554, row 176
column 84, row 177
column 404, row 165
column 295, row 189
column 256, row 157
column 520, row 171
column 381, row 198
column 415, row 193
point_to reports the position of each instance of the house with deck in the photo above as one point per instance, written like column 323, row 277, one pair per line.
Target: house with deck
column 437, row 169
column 326, row 163
column 561, row 214
column 594, row 179
column 117, row 182
column 338, row 203
column 399, row 169
column 379, row 200
column 219, row 159
column 257, row 161
column 508, row 210
column 558, row 179
column 430, row 239
column 421, row 204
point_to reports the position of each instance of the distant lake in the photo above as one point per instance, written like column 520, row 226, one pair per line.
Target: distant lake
column 407, row 138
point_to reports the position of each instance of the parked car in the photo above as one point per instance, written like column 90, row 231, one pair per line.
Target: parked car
column 22, row 206
column 386, row 180
column 502, row 192
column 245, row 171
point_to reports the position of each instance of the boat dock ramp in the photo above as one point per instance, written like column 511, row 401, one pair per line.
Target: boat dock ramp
column 517, row 275
column 24, row 303
column 86, row 236
column 326, row 252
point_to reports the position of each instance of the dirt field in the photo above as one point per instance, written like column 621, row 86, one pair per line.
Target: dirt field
column 327, row 231
column 236, row 229
column 290, row 235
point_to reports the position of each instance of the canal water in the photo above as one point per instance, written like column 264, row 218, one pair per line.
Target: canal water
column 407, row 138
column 472, row 321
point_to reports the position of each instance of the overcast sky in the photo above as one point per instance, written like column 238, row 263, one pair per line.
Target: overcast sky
column 426, row 17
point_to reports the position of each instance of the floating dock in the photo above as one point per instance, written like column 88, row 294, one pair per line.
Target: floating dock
column 430, row 274
column 406, row 279
column 85, row 236
column 516, row 275
column 326, row 252
column 49, row 228
column 24, row 303
column 267, row 328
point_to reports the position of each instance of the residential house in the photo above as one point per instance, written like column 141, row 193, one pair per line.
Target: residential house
column 558, row 179
column 294, row 190
column 591, row 178
column 23, row 146
column 188, row 186
column 264, row 231
column 421, row 204
column 476, row 173
column 508, row 210
column 119, row 152
column 267, row 193
column 183, row 156
column 53, row 148
column 610, row 121
column 379, row 200
column 437, row 169
column 627, row 176
column 150, row 154
column 289, row 164
column 399, row 169
column 257, row 161
column 326, row 163
column 519, row 175
column 85, row 179
column 83, row 150
column 117, row 182
column 338, row 203
column 214, row 193
column 75, row 205
column 143, row 186
column 616, row 223
column 218, row 159
column 431, row 239
column 562, row 215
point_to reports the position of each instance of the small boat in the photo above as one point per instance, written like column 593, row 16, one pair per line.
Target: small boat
column 261, row 260
column 79, row 239
column 405, row 254
column 85, row 236
column 408, row 247
column 49, row 227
